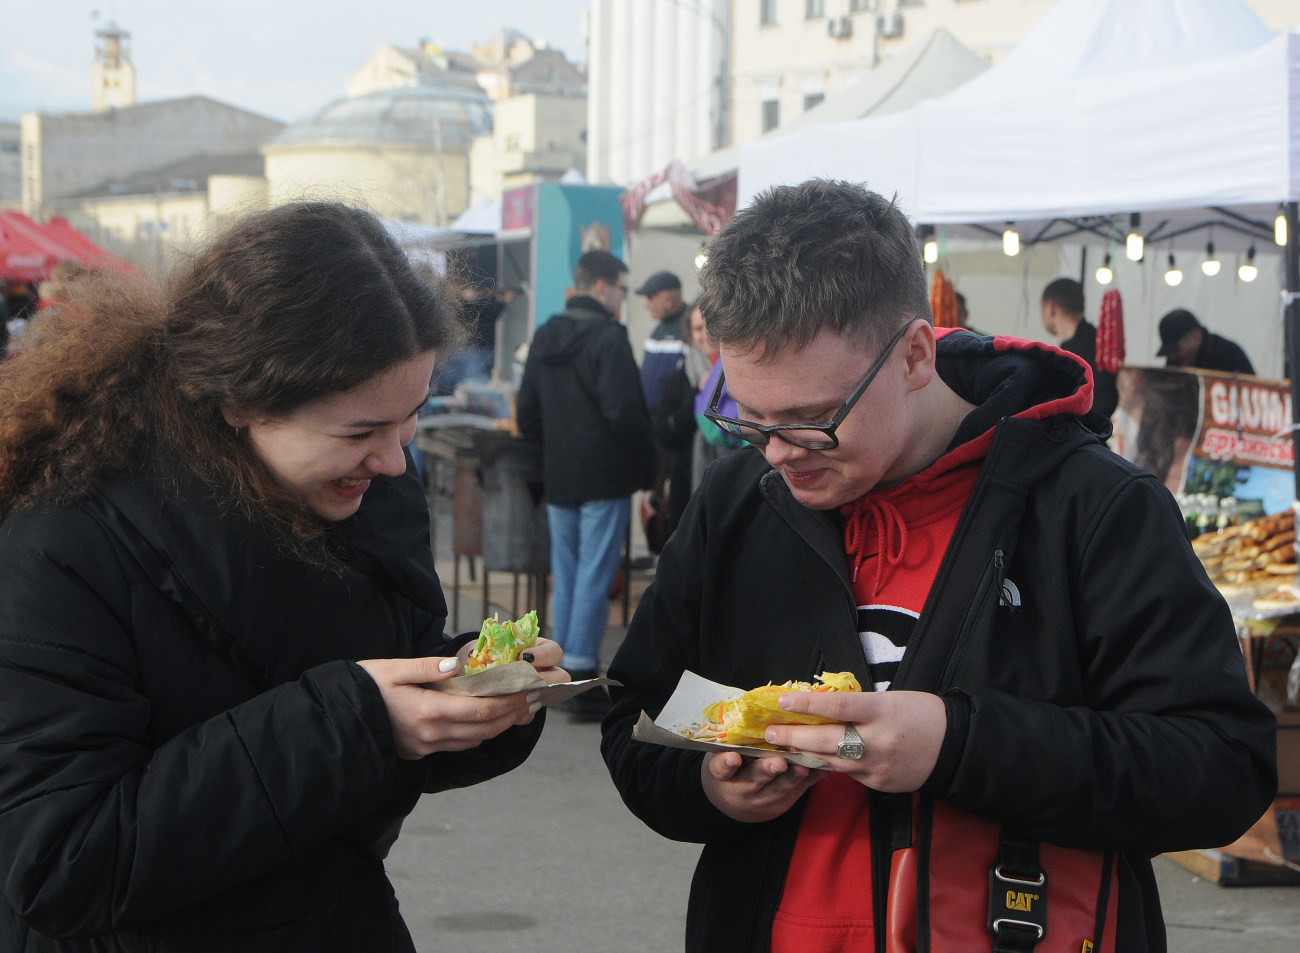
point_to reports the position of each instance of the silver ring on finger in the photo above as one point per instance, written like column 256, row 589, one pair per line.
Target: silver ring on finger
column 851, row 747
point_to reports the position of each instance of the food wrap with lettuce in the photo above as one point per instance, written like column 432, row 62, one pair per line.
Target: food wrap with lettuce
column 500, row 643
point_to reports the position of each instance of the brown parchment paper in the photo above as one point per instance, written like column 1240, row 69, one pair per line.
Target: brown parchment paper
column 517, row 677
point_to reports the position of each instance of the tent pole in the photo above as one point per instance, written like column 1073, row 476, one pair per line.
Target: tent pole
column 1291, row 318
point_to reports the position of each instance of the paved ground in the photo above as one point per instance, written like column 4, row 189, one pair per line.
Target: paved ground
column 547, row 860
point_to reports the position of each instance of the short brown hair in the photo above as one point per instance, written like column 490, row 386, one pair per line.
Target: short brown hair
column 1066, row 294
column 804, row 257
column 597, row 265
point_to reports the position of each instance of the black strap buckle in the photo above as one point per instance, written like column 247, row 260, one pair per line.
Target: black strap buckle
column 1017, row 909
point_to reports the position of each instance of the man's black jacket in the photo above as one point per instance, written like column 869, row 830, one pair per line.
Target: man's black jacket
column 581, row 399
column 1104, row 706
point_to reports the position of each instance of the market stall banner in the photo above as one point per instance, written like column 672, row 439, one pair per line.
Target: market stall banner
column 1207, row 432
column 1247, row 421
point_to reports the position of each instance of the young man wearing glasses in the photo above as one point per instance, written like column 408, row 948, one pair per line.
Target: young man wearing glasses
column 580, row 398
column 1053, row 688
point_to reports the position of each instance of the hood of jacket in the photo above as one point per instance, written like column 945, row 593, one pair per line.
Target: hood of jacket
column 567, row 332
column 1008, row 377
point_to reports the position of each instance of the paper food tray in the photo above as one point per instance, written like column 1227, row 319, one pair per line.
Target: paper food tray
column 517, row 677
column 691, row 696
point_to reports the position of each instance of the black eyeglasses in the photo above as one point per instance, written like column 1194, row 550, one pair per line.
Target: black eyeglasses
column 808, row 436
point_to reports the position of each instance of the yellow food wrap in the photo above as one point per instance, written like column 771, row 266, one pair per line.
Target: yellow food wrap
column 743, row 719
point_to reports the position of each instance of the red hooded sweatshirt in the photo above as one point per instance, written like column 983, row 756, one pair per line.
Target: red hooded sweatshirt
column 894, row 539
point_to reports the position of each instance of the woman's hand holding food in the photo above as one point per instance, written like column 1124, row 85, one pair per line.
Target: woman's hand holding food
column 426, row 721
column 755, row 789
column 902, row 733
column 546, row 656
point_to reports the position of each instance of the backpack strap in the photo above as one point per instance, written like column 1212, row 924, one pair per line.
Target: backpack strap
column 1017, row 895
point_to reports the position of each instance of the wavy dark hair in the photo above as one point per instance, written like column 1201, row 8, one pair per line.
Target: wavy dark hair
column 802, row 257
column 286, row 306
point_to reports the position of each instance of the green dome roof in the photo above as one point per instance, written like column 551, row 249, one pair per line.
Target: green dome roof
column 436, row 116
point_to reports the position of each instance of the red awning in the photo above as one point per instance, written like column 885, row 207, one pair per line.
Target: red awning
column 23, row 258
column 89, row 254
column 30, row 252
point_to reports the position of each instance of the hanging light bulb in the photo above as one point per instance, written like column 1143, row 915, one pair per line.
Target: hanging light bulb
column 1011, row 241
column 1248, row 271
column 1173, row 277
column 1104, row 275
column 1210, row 267
column 931, row 251
column 1133, row 245
column 1279, row 228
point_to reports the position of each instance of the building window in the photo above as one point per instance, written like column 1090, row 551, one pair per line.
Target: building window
column 812, row 99
column 814, row 9
column 771, row 114
column 767, row 13
column 862, row 6
column 911, row 3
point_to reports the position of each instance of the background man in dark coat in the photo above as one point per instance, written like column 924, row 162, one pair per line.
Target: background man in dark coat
column 1062, row 312
column 581, row 399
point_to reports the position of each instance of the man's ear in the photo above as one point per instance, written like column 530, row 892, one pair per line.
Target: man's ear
column 919, row 351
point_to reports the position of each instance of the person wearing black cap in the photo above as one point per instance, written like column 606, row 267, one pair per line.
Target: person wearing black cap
column 665, row 351
column 1185, row 342
column 666, row 345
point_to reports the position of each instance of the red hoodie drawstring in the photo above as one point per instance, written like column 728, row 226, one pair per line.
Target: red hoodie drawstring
column 872, row 514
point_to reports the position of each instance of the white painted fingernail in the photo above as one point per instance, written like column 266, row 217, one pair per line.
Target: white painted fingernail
column 533, row 708
column 532, row 697
column 448, row 665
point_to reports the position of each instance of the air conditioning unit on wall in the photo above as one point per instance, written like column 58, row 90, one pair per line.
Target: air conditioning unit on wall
column 890, row 26
column 841, row 28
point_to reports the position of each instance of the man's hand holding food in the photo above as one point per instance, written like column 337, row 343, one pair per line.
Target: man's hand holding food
column 901, row 735
column 901, row 732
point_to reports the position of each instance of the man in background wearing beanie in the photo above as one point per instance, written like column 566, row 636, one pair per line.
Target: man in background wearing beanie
column 1184, row 342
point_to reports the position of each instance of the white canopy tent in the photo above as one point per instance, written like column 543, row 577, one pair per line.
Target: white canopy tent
column 1186, row 108
column 1107, row 107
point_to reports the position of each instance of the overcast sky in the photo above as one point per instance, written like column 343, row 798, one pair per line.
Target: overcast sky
column 280, row 58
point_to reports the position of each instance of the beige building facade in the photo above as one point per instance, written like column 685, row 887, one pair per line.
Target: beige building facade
column 155, row 216
column 68, row 153
column 534, row 138
column 405, row 182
